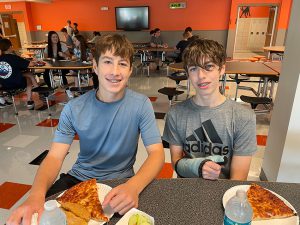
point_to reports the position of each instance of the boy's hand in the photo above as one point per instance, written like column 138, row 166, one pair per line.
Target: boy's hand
column 211, row 170
column 23, row 214
column 122, row 198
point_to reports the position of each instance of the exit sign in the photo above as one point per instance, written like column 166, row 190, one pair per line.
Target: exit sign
column 177, row 5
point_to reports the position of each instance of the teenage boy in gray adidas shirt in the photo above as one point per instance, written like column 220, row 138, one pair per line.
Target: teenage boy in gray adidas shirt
column 210, row 136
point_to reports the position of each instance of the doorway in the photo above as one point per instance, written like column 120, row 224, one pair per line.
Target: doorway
column 13, row 28
column 254, row 28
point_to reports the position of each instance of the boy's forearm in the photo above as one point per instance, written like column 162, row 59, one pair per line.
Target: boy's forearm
column 149, row 170
column 45, row 176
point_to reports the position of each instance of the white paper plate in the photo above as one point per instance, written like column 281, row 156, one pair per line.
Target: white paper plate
column 103, row 190
column 125, row 219
column 294, row 220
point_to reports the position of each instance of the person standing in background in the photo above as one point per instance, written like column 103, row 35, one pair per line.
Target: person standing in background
column 76, row 31
column 69, row 28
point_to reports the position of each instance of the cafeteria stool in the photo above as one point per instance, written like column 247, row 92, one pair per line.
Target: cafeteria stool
column 81, row 90
column 238, row 78
column 44, row 92
column 260, row 57
column 254, row 101
column 170, row 92
column 11, row 92
column 146, row 64
column 253, row 59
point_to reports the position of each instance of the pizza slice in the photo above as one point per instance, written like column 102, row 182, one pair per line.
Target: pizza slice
column 85, row 194
column 267, row 205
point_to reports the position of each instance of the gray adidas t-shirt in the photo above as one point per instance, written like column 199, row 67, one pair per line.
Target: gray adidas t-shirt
column 228, row 129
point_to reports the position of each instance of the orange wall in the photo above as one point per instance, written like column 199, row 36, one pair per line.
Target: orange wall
column 199, row 14
column 285, row 14
column 89, row 16
column 258, row 12
column 19, row 17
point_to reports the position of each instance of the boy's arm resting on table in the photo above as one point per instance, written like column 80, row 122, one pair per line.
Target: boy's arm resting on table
column 193, row 167
column 239, row 168
column 125, row 196
column 44, row 178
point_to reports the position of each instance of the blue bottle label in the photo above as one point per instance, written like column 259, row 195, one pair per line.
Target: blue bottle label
column 228, row 221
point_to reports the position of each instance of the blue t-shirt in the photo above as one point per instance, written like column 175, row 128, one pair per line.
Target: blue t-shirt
column 108, row 133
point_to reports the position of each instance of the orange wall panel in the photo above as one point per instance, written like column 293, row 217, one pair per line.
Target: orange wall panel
column 258, row 12
column 285, row 14
column 19, row 17
column 198, row 14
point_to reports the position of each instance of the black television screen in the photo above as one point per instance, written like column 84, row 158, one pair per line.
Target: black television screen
column 132, row 18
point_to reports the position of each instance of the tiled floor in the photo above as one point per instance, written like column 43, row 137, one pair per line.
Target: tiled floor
column 25, row 138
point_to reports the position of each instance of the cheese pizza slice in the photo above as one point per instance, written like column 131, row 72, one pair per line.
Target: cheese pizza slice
column 85, row 194
column 267, row 205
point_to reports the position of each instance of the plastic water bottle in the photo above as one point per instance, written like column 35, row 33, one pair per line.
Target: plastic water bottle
column 52, row 215
column 238, row 210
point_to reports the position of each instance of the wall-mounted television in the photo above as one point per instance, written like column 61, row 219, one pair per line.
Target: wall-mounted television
column 132, row 18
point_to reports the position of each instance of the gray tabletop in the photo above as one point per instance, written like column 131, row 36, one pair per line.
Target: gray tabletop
column 195, row 201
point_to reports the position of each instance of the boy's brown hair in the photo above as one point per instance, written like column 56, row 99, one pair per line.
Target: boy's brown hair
column 5, row 44
column 200, row 51
column 119, row 45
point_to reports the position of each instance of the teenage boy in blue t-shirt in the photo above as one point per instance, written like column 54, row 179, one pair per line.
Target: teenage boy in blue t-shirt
column 108, row 122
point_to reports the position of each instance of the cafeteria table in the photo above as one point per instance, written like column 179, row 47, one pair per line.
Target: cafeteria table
column 63, row 65
column 279, row 50
column 252, row 69
column 275, row 65
column 36, row 48
column 195, row 200
column 145, row 50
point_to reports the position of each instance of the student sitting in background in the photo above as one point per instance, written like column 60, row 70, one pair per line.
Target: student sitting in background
column 210, row 136
column 13, row 71
column 157, row 42
column 69, row 41
column 55, row 50
column 189, row 32
column 81, row 53
column 96, row 37
column 181, row 45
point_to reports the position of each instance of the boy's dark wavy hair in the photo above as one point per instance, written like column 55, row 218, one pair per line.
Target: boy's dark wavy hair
column 200, row 51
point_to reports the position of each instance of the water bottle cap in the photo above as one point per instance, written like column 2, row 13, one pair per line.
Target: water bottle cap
column 240, row 193
column 50, row 205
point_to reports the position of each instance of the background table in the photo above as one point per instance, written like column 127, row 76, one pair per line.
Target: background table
column 63, row 65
